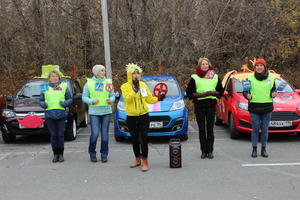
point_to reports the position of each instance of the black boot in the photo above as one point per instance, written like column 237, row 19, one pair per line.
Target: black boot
column 203, row 155
column 61, row 155
column 254, row 152
column 264, row 152
column 55, row 158
column 210, row 155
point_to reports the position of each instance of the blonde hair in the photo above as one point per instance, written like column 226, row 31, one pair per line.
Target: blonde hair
column 201, row 60
column 53, row 72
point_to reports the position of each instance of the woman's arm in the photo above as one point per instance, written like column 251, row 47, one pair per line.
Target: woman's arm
column 150, row 99
column 191, row 89
column 112, row 97
column 68, row 99
column 127, row 93
column 42, row 102
column 86, row 95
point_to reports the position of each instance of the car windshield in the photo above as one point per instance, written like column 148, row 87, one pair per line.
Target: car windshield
column 32, row 89
column 282, row 86
column 173, row 90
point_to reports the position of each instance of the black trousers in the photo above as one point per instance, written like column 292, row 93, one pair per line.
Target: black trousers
column 205, row 115
column 138, row 128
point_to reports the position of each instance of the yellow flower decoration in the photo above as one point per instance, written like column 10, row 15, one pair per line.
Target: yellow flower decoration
column 131, row 68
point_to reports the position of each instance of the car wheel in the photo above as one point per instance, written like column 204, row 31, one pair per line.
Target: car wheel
column 234, row 134
column 218, row 121
column 183, row 137
column 84, row 123
column 71, row 133
column 119, row 138
column 8, row 138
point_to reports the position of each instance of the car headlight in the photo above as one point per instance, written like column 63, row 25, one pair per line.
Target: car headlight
column 242, row 105
column 8, row 113
column 177, row 105
column 121, row 106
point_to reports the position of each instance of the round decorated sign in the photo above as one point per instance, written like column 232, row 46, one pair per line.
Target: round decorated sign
column 160, row 88
column 109, row 87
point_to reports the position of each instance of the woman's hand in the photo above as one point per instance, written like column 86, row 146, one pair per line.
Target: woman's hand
column 108, row 100
column 249, row 96
column 95, row 101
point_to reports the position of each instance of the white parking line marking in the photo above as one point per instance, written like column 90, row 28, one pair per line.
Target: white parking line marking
column 2, row 156
column 270, row 164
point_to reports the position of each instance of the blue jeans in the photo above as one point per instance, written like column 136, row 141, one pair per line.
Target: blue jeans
column 56, row 129
column 99, row 123
column 260, row 121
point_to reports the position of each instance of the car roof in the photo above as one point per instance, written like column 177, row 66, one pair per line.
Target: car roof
column 242, row 75
column 158, row 77
column 45, row 79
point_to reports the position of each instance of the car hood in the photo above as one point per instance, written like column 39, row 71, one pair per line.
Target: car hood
column 285, row 101
column 163, row 106
column 27, row 105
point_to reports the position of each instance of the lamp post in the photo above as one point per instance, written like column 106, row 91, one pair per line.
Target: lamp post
column 106, row 38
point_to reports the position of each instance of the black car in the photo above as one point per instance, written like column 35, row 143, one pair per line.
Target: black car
column 26, row 102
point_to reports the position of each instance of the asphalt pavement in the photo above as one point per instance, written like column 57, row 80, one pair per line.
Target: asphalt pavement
column 26, row 171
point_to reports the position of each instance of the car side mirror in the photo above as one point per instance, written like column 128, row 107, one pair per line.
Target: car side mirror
column 297, row 91
column 77, row 96
column 185, row 95
column 117, row 96
column 9, row 98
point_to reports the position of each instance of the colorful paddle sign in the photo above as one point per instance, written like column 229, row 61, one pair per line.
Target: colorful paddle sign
column 109, row 87
column 160, row 88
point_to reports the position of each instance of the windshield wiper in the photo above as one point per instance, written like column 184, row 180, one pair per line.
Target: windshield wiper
column 23, row 96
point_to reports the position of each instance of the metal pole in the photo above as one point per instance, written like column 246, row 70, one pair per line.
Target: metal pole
column 106, row 38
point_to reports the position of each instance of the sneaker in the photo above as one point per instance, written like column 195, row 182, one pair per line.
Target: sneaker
column 104, row 159
column 94, row 159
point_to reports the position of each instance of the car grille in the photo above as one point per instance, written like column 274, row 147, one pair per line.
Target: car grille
column 285, row 116
column 164, row 119
column 23, row 114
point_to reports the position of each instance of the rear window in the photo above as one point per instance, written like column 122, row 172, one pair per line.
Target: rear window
column 282, row 86
column 173, row 90
column 33, row 89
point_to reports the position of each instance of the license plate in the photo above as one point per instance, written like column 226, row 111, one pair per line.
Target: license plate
column 23, row 127
column 156, row 125
column 280, row 123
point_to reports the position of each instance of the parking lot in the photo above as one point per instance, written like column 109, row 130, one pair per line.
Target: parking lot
column 26, row 171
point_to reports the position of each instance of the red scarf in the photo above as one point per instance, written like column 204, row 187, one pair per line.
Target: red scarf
column 202, row 73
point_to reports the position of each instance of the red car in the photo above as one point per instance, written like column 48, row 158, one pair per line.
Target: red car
column 232, row 108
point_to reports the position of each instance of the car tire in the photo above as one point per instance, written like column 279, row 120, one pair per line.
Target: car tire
column 71, row 132
column 85, row 122
column 218, row 121
column 8, row 138
column 183, row 137
column 234, row 134
column 119, row 138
